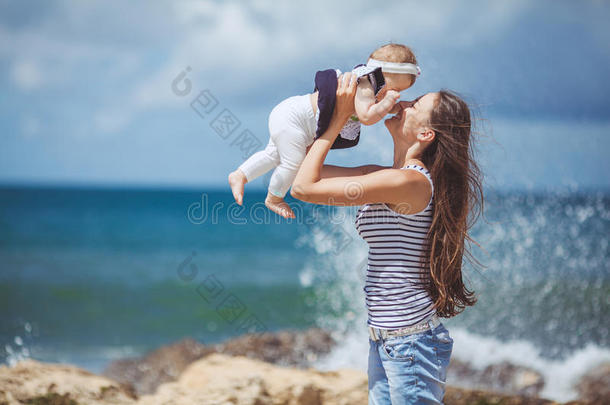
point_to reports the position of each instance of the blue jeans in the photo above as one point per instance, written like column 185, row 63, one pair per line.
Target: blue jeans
column 409, row 369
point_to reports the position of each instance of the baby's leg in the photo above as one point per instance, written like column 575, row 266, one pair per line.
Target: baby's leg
column 279, row 206
column 256, row 165
column 291, row 142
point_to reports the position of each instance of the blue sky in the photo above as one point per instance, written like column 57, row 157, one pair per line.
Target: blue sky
column 86, row 93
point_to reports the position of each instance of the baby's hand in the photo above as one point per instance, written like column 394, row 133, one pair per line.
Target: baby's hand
column 401, row 105
column 396, row 109
column 390, row 99
column 392, row 94
column 377, row 111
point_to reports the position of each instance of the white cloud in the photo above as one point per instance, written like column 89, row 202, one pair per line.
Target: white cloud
column 232, row 45
column 106, row 66
column 219, row 40
column 26, row 75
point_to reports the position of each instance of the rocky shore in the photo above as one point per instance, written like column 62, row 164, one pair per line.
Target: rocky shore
column 269, row 368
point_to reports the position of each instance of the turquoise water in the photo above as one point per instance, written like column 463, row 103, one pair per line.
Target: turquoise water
column 89, row 275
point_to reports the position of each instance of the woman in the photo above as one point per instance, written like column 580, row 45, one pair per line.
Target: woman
column 415, row 235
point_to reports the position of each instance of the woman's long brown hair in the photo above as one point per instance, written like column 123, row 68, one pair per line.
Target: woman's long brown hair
column 458, row 202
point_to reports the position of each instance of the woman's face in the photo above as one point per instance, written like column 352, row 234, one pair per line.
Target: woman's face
column 413, row 118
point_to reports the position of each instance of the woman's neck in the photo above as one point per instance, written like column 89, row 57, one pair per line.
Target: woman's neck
column 404, row 154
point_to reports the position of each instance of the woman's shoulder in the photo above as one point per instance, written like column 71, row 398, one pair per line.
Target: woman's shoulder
column 418, row 165
column 415, row 162
column 423, row 200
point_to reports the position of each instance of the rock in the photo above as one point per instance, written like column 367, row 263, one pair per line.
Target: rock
column 146, row 373
column 457, row 396
column 58, row 384
column 594, row 386
column 509, row 378
column 215, row 379
column 165, row 364
column 289, row 348
column 462, row 371
column 222, row 379
column 504, row 377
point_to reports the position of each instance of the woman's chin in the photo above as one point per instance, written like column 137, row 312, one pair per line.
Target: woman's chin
column 391, row 126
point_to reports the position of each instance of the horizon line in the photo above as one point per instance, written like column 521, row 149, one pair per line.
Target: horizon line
column 189, row 187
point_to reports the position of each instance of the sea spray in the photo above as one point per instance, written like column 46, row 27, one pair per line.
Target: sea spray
column 543, row 296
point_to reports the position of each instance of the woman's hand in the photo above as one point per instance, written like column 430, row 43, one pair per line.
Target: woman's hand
column 346, row 93
column 403, row 188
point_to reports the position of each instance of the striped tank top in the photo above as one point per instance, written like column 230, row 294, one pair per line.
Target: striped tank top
column 395, row 281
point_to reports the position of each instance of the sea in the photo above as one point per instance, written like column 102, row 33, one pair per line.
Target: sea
column 90, row 275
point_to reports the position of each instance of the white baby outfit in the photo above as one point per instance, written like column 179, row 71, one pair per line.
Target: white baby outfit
column 292, row 128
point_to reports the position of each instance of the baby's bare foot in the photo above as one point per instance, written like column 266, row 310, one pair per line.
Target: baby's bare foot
column 237, row 180
column 279, row 206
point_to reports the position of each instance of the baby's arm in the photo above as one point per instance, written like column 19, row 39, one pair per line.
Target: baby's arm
column 367, row 109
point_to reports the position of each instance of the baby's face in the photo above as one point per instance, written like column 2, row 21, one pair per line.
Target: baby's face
column 397, row 82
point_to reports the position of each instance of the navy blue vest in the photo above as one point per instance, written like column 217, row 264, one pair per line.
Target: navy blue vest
column 326, row 85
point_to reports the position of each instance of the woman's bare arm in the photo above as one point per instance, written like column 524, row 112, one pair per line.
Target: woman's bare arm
column 387, row 185
column 337, row 171
column 393, row 186
column 329, row 171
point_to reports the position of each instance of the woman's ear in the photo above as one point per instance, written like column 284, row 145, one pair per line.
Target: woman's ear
column 427, row 135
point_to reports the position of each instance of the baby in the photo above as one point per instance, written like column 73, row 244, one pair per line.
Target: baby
column 298, row 120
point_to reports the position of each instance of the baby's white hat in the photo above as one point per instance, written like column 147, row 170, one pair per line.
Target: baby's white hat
column 393, row 67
